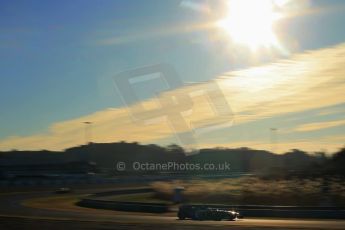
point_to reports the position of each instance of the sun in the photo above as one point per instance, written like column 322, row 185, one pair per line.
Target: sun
column 250, row 22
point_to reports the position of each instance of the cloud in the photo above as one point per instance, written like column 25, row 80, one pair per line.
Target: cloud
column 149, row 34
column 319, row 125
column 306, row 81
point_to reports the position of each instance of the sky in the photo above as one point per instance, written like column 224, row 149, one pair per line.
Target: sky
column 234, row 83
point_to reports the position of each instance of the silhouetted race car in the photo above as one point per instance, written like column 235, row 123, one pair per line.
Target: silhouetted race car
column 205, row 213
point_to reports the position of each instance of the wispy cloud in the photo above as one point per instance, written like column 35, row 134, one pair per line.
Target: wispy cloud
column 148, row 34
column 306, row 81
column 318, row 125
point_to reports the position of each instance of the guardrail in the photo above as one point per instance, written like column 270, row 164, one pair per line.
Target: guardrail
column 98, row 201
column 125, row 206
column 121, row 192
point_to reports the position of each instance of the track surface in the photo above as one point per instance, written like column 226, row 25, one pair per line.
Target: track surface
column 30, row 210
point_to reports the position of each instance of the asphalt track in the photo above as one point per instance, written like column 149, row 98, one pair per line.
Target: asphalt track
column 30, row 210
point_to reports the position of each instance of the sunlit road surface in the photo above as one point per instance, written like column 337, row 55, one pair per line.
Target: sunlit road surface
column 14, row 214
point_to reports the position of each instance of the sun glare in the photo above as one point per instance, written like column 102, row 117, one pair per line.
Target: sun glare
column 250, row 22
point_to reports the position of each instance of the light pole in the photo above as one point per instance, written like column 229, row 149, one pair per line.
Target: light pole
column 88, row 133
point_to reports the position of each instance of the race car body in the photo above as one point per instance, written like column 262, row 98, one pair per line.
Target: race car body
column 205, row 213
